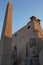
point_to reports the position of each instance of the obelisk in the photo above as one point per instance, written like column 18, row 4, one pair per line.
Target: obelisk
column 6, row 38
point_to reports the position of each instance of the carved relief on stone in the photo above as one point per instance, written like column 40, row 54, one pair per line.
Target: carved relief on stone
column 34, row 57
column 33, row 53
column 14, row 56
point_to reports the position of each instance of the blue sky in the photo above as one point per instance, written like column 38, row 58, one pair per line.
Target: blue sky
column 21, row 12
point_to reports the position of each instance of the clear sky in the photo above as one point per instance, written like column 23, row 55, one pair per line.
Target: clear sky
column 22, row 11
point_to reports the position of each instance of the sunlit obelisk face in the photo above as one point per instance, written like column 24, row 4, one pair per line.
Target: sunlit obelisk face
column 7, row 36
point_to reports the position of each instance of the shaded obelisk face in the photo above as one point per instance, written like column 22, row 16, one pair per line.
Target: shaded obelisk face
column 7, row 36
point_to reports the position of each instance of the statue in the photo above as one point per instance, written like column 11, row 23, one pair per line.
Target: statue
column 33, row 53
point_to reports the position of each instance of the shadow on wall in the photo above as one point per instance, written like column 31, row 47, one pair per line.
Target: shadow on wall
column 40, row 45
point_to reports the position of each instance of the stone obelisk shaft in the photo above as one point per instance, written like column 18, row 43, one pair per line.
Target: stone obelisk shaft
column 7, row 36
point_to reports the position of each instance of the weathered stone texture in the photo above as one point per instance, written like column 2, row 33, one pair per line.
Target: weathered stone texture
column 19, row 39
column 22, row 36
column 7, row 26
column 6, row 38
column 41, row 57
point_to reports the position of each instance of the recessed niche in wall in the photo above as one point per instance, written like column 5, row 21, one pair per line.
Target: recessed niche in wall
column 15, row 35
column 28, row 27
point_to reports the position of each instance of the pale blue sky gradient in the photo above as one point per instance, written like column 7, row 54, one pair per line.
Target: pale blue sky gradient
column 22, row 11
